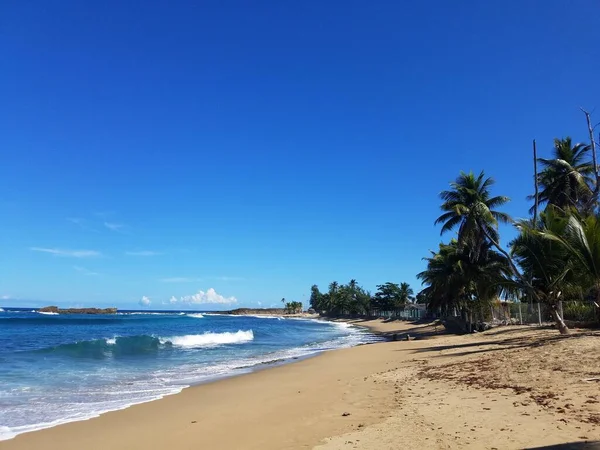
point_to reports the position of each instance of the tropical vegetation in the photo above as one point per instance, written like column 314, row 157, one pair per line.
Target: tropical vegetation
column 353, row 299
column 554, row 260
column 293, row 307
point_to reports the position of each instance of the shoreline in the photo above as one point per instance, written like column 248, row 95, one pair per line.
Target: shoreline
column 235, row 372
column 395, row 394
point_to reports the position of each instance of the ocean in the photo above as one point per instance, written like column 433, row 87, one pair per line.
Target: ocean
column 62, row 368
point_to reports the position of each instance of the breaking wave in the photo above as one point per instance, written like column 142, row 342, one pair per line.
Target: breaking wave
column 209, row 339
column 196, row 316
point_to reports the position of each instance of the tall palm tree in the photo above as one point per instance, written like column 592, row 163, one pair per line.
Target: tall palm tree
column 469, row 206
column 333, row 297
column 566, row 179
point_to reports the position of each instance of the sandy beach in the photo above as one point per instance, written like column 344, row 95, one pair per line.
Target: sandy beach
column 511, row 387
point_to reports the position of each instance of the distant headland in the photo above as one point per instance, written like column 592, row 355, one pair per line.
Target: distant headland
column 57, row 310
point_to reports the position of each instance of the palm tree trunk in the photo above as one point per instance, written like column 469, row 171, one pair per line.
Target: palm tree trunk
column 535, row 178
column 596, row 191
column 560, row 324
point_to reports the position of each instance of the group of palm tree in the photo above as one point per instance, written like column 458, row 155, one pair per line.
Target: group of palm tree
column 292, row 307
column 555, row 256
column 353, row 299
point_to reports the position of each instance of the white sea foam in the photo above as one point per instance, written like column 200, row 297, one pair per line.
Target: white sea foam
column 111, row 341
column 79, row 412
column 262, row 316
column 145, row 313
column 196, row 316
column 209, row 339
column 1, row 310
column 48, row 313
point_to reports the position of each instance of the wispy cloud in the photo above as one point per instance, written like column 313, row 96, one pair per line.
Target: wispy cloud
column 67, row 253
column 116, row 227
column 76, row 220
column 81, row 223
column 85, row 271
column 180, row 280
column 145, row 301
column 143, row 253
column 230, row 278
column 6, row 297
column 209, row 297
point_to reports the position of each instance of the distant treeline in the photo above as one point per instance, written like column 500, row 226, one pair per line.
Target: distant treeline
column 351, row 298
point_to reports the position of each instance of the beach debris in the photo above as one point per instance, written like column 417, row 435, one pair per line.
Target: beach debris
column 194, row 421
column 589, row 380
column 346, row 414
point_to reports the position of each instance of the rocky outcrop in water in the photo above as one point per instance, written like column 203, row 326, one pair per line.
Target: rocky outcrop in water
column 57, row 310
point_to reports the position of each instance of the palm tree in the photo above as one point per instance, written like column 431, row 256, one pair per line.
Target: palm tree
column 406, row 294
column 567, row 177
column 470, row 206
column 545, row 261
column 333, row 297
column 455, row 281
column 581, row 241
column 445, row 284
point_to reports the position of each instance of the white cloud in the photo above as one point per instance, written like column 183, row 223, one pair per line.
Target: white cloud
column 202, row 297
column 230, row 278
column 84, row 271
column 69, row 253
column 6, row 297
column 259, row 303
column 145, row 301
column 143, row 253
column 180, row 280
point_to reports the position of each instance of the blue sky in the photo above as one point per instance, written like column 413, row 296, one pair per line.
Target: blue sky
column 199, row 151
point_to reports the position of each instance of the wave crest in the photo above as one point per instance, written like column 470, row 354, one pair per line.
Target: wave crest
column 196, row 316
column 209, row 339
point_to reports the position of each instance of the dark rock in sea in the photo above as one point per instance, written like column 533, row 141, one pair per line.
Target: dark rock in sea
column 57, row 310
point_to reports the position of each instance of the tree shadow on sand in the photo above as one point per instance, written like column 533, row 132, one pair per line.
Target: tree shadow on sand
column 587, row 445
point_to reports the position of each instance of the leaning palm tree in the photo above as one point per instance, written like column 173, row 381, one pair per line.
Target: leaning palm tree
column 581, row 241
column 545, row 261
column 566, row 179
column 470, row 207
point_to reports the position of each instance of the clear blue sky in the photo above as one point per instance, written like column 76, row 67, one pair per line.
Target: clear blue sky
column 160, row 149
